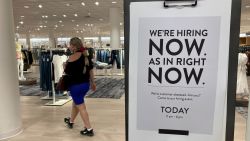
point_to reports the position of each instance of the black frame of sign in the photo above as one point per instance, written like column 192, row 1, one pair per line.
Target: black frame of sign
column 232, row 70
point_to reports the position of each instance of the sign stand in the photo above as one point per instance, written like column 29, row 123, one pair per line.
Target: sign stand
column 231, row 71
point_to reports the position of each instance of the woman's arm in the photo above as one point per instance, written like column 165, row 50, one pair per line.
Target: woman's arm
column 92, row 80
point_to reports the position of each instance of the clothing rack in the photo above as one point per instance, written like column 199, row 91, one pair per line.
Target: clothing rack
column 56, row 101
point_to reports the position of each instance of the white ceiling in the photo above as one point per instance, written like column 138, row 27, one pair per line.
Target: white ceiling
column 87, row 15
column 91, row 20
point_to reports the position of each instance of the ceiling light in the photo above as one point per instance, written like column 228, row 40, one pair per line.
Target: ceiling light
column 38, row 29
column 77, row 25
column 88, row 24
column 41, row 26
column 45, row 26
column 17, row 27
column 21, row 22
column 60, row 21
column 40, row 6
column 121, row 23
column 81, row 31
column 247, row 6
column 97, row 3
column 75, row 15
column 114, row 2
column 46, row 16
column 73, row 20
column 91, row 24
column 77, row 31
column 54, row 15
column 22, row 16
column 83, row 4
column 101, row 19
column 56, row 25
column 68, row 4
column 26, row 6
column 64, row 16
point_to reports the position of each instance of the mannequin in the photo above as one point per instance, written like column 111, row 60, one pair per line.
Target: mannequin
column 242, row 84
column 19, row 58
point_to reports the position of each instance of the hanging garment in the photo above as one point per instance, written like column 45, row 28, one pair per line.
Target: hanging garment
column 242, row 85
column 58, row 66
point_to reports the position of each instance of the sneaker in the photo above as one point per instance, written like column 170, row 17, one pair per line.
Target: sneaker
column 86, row 132
column 67, row 121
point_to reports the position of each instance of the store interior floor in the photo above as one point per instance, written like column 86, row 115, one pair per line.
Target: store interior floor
column 45, row 123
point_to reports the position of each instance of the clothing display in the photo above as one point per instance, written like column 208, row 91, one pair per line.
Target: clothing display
column 242, row 84
column 103, row 55
column 116, row 56
column 58, row 62
column 47, row 71
column 27, row 59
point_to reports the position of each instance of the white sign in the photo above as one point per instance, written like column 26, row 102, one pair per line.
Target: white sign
column 178, row 70
column 178, row 64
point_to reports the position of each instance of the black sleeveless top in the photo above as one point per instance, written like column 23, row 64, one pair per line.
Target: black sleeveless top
column 75, row 71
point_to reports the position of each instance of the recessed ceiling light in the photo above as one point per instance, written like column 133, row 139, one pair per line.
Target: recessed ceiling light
column 21, row 22
column 114, row 2
column 97, row 3
column 91, row 24
column 247, row 6
column 77, row 25
column 17, row 27
column 101, row 19
column 68, row 4
column 73, row 20
column 64, row 16
column 81, row 31
column 26, row 6
column 56, row 25
column 41, row 26
column 22, row 16
column 77, row 31
column 60, row 21
column 121, row 23
column 40, row 6
column 83, row 4
column 54, row 15
column 75, row 15
column 38, row 29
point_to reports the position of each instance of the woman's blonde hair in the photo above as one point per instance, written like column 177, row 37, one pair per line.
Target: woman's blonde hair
column 75, row 41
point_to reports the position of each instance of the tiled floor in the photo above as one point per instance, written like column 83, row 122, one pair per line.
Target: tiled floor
column 43, row 123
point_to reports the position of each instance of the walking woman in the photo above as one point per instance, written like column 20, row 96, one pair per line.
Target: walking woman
column 79, row 68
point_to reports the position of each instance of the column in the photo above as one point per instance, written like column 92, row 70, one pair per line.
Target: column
column 10, row 115
column 28, row 40
column 99, row 41
column 115, row 28
column 52, row 40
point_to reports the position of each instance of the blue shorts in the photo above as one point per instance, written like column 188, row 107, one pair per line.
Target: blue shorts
column 78, row 92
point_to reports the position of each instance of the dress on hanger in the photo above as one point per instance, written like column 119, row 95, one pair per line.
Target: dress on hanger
column 242, row 84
